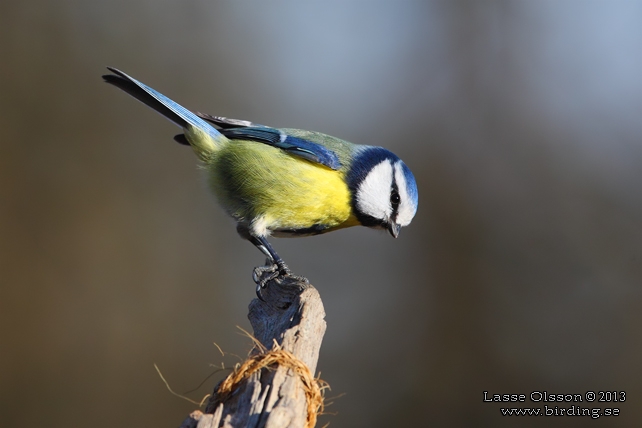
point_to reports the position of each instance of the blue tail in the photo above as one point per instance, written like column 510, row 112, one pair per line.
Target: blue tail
column 159, row 102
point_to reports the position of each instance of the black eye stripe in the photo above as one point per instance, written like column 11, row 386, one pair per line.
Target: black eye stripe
column 395, row 199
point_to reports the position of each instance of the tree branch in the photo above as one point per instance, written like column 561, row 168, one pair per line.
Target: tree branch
column 283, row 393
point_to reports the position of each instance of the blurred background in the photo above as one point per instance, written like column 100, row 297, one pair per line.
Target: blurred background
column 522, row 271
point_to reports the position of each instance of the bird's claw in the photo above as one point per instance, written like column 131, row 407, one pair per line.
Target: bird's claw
column 262, row 275
column 260, row 271
column 265, row 277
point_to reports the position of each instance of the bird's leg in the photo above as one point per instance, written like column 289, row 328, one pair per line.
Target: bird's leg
column 275, row 266
column 273, row 259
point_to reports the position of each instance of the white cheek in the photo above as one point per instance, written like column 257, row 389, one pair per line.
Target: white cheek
column 373, row 194
column 407, row 209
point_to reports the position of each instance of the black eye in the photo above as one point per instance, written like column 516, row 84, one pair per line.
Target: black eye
column 394, row 198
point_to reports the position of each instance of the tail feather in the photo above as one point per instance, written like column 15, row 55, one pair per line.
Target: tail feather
column 157, row 101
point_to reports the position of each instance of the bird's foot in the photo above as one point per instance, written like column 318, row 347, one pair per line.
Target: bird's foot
column 262, row 275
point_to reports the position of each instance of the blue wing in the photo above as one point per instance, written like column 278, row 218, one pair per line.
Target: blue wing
column 296, row 146
column 231, row 128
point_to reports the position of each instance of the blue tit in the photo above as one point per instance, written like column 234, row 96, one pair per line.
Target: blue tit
column 288, row 182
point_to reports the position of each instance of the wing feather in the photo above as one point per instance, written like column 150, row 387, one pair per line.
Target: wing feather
column 305, row 149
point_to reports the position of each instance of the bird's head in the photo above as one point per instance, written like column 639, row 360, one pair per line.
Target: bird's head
column 384, row 192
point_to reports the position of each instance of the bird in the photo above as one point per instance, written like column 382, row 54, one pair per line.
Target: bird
column 287, row 182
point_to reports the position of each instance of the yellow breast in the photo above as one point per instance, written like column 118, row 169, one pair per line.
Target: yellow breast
column 272, row 190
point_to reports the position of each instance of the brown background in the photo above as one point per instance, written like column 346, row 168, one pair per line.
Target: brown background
column 522, row 122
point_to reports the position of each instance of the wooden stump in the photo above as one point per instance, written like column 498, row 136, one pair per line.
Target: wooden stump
column 276, row 396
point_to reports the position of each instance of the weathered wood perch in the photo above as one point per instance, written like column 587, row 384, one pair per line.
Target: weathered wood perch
column 276, row 396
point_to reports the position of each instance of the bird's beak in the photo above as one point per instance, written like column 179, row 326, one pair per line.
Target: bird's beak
column 394, row 229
